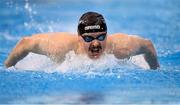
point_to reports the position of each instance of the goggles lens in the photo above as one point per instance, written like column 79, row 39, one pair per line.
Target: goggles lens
column 90, row 38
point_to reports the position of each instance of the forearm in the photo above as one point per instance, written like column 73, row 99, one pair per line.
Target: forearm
column 19, row 52
column 150, row 55
column 14, row 57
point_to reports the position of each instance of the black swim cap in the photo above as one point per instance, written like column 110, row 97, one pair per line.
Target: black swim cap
column 91, row 22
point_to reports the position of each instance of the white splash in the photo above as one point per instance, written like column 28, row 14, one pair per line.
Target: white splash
column 140, row 61
column 78, row 63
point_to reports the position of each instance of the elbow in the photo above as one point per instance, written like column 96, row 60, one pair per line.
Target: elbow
column 148, row 44
column 148, row 47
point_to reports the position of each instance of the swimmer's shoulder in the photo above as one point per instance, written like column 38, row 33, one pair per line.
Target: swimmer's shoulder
column 117, row 36
column 123, row 36
column 58, row 35
column 54, row 34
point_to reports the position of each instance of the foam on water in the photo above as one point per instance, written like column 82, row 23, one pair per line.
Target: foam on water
column 78, row 63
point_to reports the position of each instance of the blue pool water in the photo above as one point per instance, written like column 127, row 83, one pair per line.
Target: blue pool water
column 36, row 79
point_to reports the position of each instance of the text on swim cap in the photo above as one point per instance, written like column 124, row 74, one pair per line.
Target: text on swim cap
column 92, row 27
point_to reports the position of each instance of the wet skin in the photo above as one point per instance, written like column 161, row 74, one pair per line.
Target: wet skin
column 57, row 45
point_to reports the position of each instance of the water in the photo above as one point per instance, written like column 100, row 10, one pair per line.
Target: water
column 108, row 81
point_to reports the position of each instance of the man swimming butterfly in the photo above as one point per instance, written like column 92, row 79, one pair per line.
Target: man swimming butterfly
column 92, row 41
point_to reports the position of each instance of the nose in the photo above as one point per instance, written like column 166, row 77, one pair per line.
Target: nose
column 95, row 43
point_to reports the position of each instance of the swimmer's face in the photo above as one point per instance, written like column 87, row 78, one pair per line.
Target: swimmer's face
column 94, row 43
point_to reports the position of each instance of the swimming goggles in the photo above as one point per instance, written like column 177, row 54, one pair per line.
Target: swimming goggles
column 88, row 38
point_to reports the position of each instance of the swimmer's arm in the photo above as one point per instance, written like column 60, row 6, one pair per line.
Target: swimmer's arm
column 39, row 44
column 52, row 45
column 23, row 47
column 139, row 45
column 124, row 46
column 150, row 54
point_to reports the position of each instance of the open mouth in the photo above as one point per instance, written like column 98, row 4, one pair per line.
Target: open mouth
column 95, row 50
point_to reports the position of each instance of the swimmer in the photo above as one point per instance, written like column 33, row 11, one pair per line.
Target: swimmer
column 92, row 41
